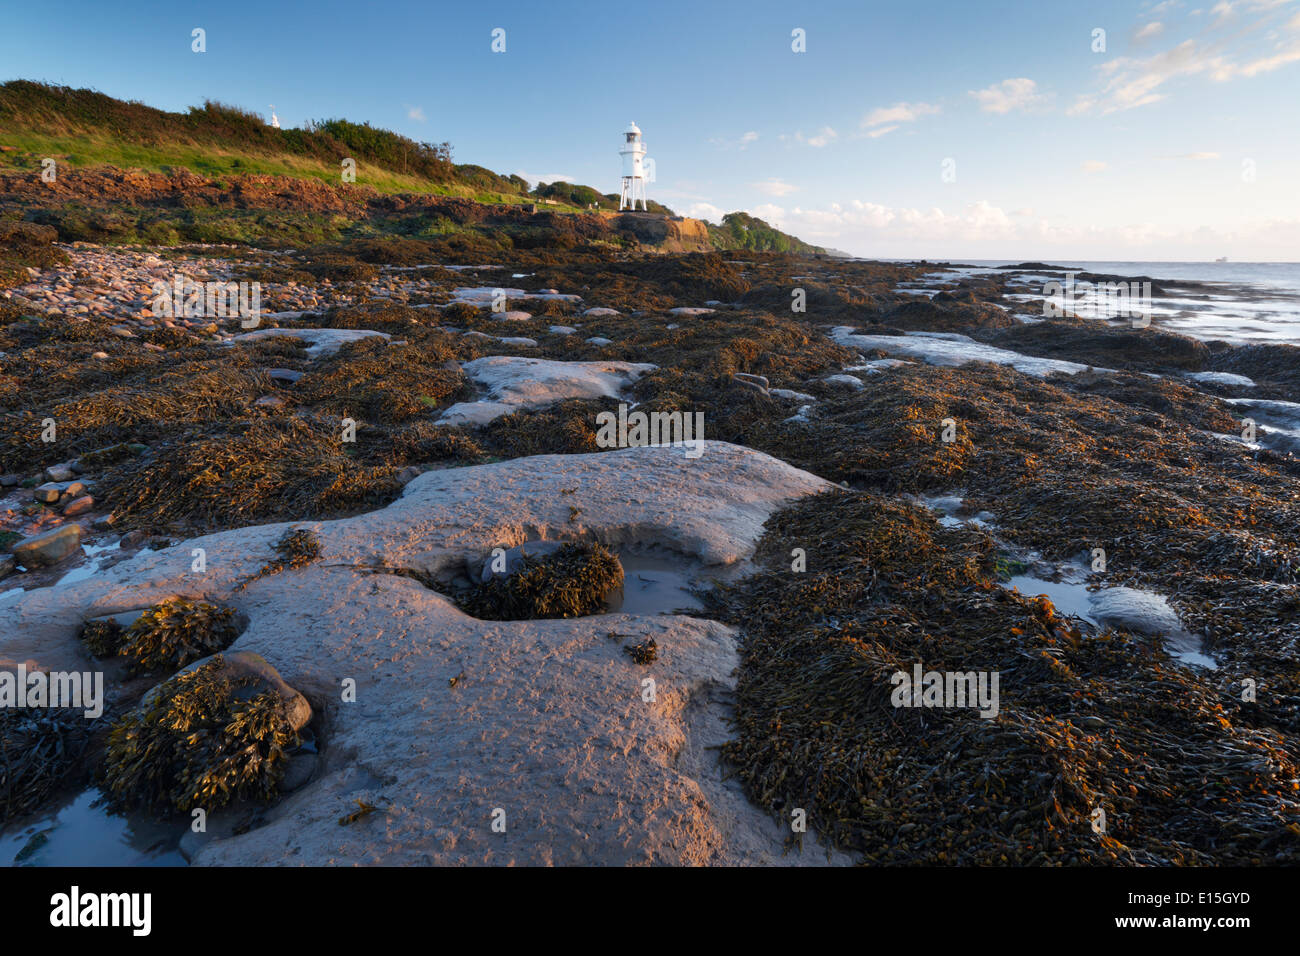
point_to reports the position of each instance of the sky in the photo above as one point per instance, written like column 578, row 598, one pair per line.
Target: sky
column 942, row 129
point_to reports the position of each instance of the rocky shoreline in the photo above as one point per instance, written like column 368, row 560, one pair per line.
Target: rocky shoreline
column 922, row 435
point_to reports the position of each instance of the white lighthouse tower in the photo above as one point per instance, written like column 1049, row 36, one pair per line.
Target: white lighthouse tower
column 633, row 153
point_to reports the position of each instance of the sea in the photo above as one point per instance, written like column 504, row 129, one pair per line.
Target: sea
column 1237, row 302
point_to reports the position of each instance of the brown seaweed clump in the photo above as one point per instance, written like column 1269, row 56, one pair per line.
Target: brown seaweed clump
column 647, row 652
column 1090, row 725
column 571, row 582
column 249, row 471
column 40, row 750
column 204, row 739
column 295, row 549
column 166, row 637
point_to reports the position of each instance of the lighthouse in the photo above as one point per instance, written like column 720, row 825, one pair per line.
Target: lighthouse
column 633, row 153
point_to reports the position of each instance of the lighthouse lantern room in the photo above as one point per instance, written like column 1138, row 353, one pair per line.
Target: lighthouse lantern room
column 633, row 153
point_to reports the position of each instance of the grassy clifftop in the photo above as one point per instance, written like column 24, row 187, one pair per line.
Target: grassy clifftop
column 85, row 130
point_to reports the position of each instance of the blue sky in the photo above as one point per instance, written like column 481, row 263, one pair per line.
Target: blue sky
column 1181, row 140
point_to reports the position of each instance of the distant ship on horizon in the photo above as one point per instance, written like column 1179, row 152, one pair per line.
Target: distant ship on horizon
column 1221, row 259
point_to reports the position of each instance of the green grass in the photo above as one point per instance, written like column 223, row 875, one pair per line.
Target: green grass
column 82, row 128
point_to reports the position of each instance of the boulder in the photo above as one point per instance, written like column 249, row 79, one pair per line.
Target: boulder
column 49, row 548
column 238, row 665
column 78, row 506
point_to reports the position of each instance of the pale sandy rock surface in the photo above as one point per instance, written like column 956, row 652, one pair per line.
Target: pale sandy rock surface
column 1141, row 611
column 952, row 349
column 319, row 341
column 547, row 720
column 517, row 383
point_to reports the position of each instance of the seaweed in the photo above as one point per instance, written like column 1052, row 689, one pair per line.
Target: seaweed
column 571, row 582
column 166, row 637
column 1088, row 719
column 295, row 549
column 41, row 749
column 204, row 740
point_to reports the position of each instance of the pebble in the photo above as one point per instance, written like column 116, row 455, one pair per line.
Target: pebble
column 78, row 506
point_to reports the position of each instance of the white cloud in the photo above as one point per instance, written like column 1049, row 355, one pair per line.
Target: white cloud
column 979, row 220
column 1136, row 82
column 874, row 229
column 1016, row 94
column 705, row 210
column 415, row 113
column 768, row 212
column 877, row 133
column 1192, row 156
column 747, row 138
column 1265, row 64
column 898, row 113
column 1131, row 82
column 1152, row 29
column 1092, row 166
column 774, row 187
column 823, row 137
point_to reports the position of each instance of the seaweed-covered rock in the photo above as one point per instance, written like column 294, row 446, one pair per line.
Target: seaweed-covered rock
column 1275, row 369
column 167, row 636
column 1094, row 342
column 218, row 732
column 570, row 581
column 955, row 316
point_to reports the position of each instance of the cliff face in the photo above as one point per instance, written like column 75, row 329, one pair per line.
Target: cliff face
column 662, row 232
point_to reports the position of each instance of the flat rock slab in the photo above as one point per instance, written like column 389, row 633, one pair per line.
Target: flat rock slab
column 951, row 349
column 1222, row 378
column 846, row 381
column 319, row 341
column 517, row 383
column 547, row 721
column 1143, row 612
column 484, row 296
